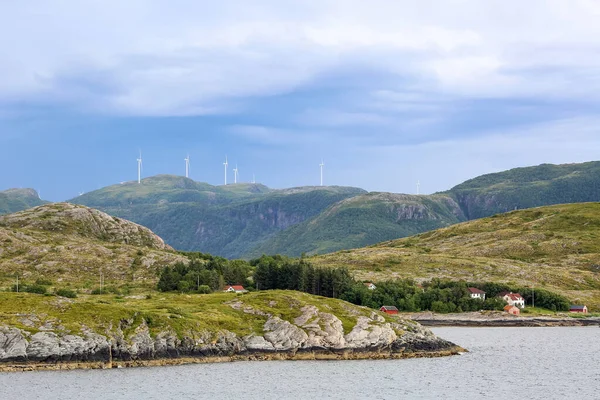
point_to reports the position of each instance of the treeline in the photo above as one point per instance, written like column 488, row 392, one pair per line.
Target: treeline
column 204, row 274
column 279, row 272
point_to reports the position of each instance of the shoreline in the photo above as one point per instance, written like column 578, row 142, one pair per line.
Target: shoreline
column 477, row 319
column 283, row 356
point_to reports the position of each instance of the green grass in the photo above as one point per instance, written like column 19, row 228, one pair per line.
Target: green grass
column 556, row 247
column 179, row 313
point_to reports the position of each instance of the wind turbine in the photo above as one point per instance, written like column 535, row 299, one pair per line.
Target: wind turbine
column 418, row 187
column 226, row 164
column 235, row 174
column 139, row 161
column 187, row 166
column 253, row 179
column 322, row 165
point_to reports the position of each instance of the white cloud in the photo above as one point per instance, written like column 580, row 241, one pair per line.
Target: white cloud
column 187, row 57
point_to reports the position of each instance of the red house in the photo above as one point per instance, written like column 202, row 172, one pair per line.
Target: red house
column 579, row 309
column 234, row 288
column 389, row 310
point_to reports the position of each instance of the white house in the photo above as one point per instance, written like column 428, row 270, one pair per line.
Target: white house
column 514, row 299
column 234, row 289
column 476, row 293
column 370, row 285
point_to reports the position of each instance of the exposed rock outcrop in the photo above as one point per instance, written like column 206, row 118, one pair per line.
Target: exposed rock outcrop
column 85, row 222
column 313, row 335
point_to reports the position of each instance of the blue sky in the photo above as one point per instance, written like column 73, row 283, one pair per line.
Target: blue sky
column 387, row 92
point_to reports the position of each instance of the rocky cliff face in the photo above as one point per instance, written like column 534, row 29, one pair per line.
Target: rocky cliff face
column 312, row 335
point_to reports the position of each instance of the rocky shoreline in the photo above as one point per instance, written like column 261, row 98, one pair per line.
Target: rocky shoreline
column 315, row 335
column 490, row 319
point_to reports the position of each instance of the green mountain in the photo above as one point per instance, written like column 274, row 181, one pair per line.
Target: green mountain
column 13, row 200
column 362, row 220
column 528, row 187
column 556, row 247
column 246, row 220
column 230, row 220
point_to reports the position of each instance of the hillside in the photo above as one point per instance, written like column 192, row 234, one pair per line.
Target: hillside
column 14, row 200
column 362, row 220
column 224, row 220
column 556, row 247
column 528, row 187
column 71, row 245
column 102, row 332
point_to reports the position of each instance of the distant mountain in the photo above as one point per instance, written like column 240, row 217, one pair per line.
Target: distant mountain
column 528, row 187
column 13, row 200
column 362, row 220
column 229, row 220
column 246, row 220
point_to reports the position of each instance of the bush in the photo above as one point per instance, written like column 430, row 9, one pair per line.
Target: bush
column 66, row 293
column 204, row 289
column 39, row 289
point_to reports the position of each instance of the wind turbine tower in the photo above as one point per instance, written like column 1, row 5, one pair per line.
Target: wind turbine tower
column 139, row 161
column 322, row 165
column 187, row 166
column 226, row 164
column 253, row 179
column 235, row 174
column 418, row 187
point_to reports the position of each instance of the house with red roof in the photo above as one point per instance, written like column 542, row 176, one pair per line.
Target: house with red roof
column 389, row 310
column 514, row 299
column 476, row 293
column 234, row 289
column 578, row 309
column 514, row 310
column 370, row 285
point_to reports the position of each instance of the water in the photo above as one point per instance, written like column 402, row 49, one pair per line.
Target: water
column 526, row 363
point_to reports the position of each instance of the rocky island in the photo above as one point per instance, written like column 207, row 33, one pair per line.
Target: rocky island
column 38, row 332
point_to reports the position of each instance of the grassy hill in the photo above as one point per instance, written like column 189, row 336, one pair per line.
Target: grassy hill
column 557, row 247
column 14, row 200
column 528, row 187
column 71, row 245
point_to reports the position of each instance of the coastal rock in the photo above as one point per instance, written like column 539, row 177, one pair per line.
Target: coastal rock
column 13, row 345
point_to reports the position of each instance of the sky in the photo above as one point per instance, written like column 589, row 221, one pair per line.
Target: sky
column 385, row 92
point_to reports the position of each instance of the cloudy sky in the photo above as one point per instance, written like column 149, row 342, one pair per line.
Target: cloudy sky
column 387, row 92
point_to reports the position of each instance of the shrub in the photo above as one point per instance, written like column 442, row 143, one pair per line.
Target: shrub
column 66, row 293
column 204, row 289
column 39, row 289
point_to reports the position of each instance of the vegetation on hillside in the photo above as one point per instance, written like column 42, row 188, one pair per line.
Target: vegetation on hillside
column 14, row 200
column 520, row 188
column 556, row 247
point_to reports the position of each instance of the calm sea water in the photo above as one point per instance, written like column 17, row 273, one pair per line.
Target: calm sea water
column 524, row 363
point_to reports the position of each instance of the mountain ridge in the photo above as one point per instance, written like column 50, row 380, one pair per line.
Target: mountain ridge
column 245, row 220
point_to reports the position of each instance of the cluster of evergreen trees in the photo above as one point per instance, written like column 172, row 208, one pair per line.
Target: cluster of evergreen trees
column 206, row 273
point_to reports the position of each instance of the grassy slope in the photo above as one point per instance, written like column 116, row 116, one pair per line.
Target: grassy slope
column 528, row 187
column 45, row 242
column 14, row 200
column 557, row 247
column 363, row 220
column 167, row 311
